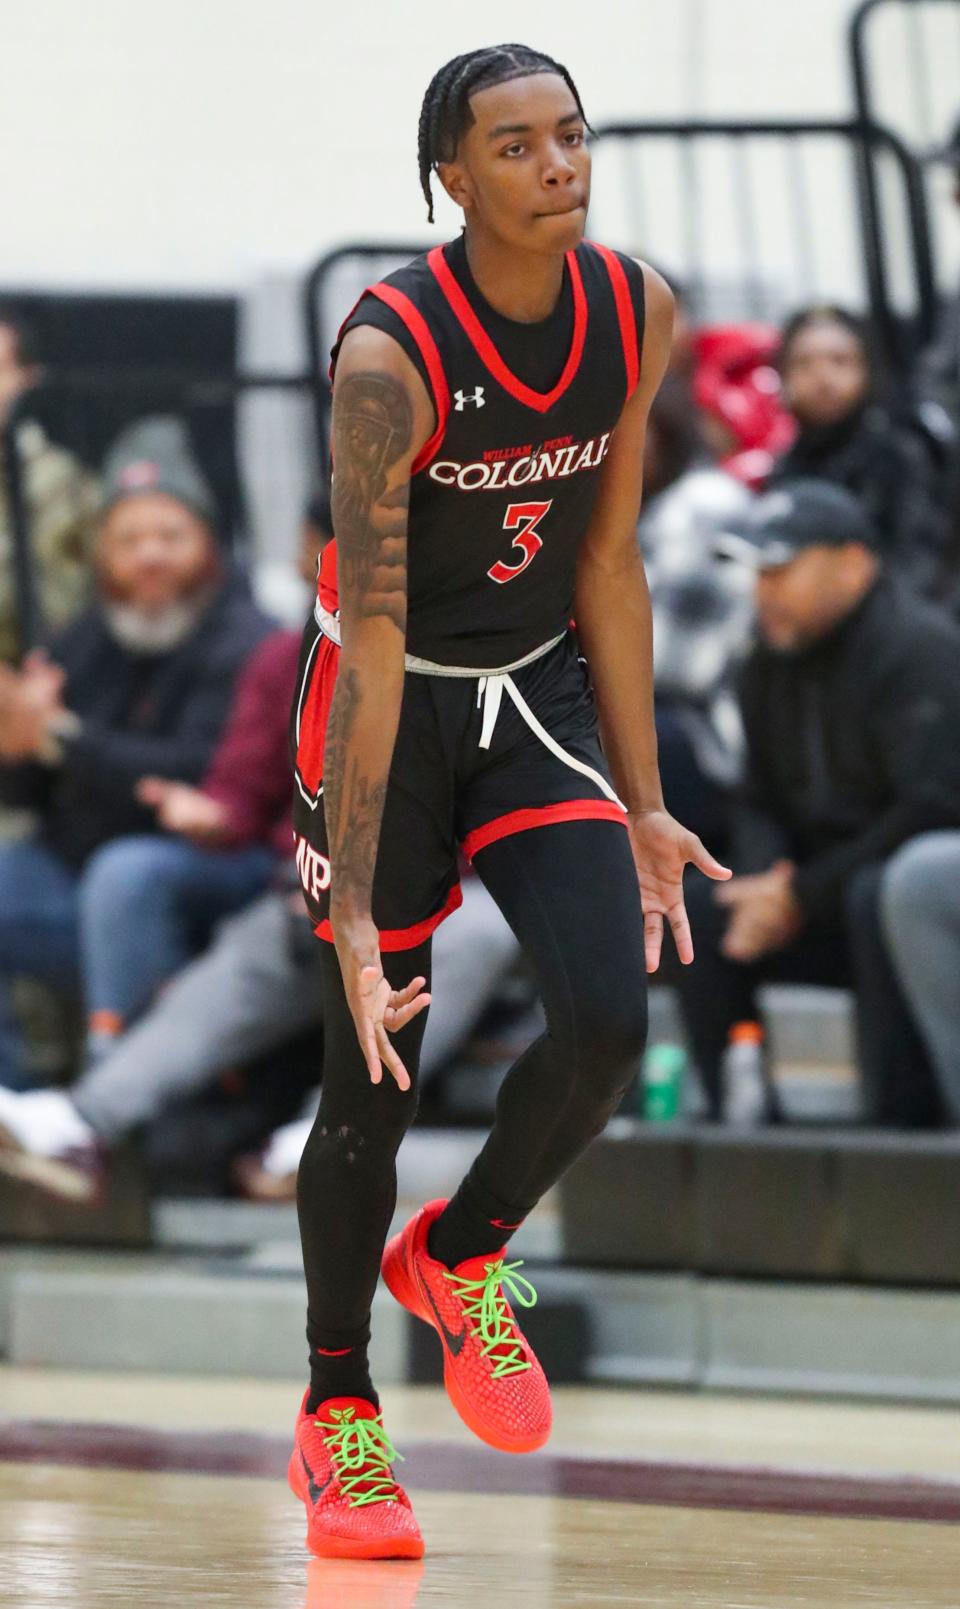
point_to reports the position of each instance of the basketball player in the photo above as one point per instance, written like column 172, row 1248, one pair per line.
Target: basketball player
column 489, row 409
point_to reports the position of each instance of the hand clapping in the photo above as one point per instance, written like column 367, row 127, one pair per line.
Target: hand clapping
column 29, row 698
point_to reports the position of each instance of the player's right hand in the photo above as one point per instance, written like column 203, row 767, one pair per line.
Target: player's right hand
column 378, row 1010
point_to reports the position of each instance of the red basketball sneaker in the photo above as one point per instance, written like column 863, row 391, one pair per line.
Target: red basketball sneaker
column 340, row 1468
column 491, row 1374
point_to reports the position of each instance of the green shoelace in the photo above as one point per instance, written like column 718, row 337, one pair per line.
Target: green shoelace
column 361, row 1446
column 485, row 1305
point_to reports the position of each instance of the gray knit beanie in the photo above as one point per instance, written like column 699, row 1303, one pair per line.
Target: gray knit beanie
column 154, row 455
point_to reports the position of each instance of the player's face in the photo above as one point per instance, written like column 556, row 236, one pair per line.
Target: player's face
column 152, row 552
column 523, row 168
column 826, row 375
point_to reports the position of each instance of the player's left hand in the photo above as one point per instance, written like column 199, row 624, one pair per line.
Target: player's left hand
column 661, row 849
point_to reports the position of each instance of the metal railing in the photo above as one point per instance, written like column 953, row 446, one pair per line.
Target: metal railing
column 804, row 217
column 927, row 69
column 904, row 58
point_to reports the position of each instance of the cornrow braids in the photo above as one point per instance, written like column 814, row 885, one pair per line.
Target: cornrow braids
column 445, row 114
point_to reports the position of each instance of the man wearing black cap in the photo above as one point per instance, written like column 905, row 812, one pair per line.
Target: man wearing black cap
column 851, row 708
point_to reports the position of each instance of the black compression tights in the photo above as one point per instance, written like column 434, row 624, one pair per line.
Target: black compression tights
column 570, row 893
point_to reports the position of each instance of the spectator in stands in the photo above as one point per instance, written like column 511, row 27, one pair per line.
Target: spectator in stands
column 851, row 707
column 730, row 370
column 702, row 613
column 831, row 385
column 920, row 904
column 256, row 988
column 60, row 496
column 158, row 896
column 138, row 686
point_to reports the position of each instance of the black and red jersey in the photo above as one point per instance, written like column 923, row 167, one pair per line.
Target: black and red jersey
column 503, row 491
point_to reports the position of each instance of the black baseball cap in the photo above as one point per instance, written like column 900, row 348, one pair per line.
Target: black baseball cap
column 800, row 514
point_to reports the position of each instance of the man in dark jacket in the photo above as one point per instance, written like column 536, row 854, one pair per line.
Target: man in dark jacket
column 138, row 685
column 851, row 708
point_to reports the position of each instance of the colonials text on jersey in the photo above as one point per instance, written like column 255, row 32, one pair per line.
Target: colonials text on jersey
column 503, row 468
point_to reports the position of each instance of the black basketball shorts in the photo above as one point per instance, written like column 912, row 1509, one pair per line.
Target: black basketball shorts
column 476, row 758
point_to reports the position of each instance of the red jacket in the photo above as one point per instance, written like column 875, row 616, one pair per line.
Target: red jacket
column 250, row 774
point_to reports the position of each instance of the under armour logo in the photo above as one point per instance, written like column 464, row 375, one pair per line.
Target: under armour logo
column 463, row 397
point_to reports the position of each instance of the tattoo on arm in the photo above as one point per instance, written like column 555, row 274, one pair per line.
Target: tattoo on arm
column 373, row 429
column 353, row 804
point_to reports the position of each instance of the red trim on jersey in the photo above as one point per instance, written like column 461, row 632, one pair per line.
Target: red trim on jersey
column 542, row 816
column 313, row 713
column 625, row 314
column 539, row 400
column 427, row 347
column 327, row 578
column 405, row 938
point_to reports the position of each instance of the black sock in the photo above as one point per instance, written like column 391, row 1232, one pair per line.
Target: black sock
column 339, row 1367
column 473, row 1222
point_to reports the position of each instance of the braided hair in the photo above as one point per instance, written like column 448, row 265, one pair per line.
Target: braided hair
column 445, row 114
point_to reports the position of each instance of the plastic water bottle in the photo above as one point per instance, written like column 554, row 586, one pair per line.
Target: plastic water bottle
column 744, row 1076
column 664, row 1067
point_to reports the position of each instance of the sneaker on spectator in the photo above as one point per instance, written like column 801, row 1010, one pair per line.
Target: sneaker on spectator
column 45, row 1141
column 272, row 1176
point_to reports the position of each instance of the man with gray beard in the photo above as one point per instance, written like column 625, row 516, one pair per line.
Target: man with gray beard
column 139, row 684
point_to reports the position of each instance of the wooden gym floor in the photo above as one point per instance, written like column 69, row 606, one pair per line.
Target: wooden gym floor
column 126, row 1490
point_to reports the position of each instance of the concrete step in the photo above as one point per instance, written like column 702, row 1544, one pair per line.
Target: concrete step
column 165, row 1315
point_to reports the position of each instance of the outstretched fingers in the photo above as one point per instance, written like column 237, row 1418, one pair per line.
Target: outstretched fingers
column 395, row 1020
column 366, row 1019
column 405, row 1004
column 698, row 855
column 391, row 1060
column 367, row 1035
column 377, row 1021
column 652, row 939
column 680, row 928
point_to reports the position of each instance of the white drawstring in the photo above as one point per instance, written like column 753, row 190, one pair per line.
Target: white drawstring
column 489, row 695
column 490, row 691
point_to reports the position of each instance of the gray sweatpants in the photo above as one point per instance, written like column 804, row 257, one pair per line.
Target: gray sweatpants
column 253, row 990
column 920, row 911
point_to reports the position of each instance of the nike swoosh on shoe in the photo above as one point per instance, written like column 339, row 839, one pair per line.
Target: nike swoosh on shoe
column 316, row 1492
column 454, row 1342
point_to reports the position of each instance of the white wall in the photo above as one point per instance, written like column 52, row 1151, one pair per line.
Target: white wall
column 210, row 143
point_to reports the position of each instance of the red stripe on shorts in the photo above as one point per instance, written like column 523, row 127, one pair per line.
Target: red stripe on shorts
column 405, row 938
column 543, row 816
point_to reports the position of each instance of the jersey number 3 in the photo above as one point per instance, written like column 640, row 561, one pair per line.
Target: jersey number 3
column 527, row 517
